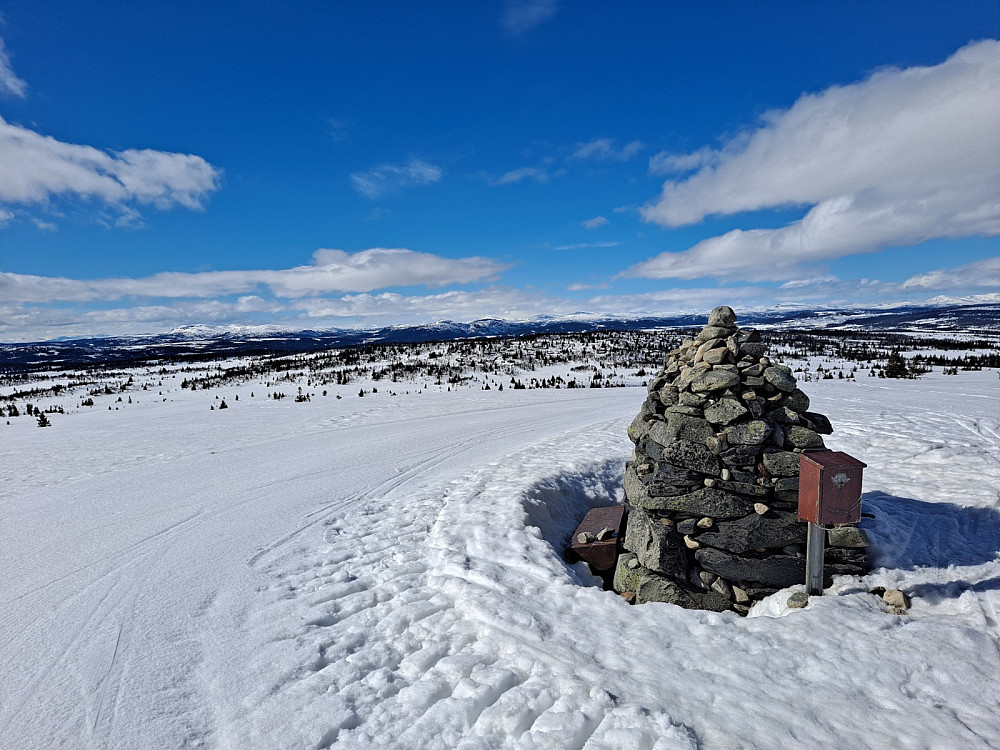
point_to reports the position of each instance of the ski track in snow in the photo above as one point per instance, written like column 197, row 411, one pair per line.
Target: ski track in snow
column 387, row 574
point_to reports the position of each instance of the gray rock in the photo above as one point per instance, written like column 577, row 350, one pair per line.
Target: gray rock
column 688, row 374
column 651, row 408
column 753, row 349
column 694, row 456
column 707, row 501
column 714, row 380
column 759, row 592
column 754, row 432
column 777, row 436
column 897, row 601
column 724, row 411
column 786, row 489
column 638, row 429
column 783, row 416
column 776, row 529
column 627, row 576
column 754, row 405
column 691, row 399
column 691, row 411
column 777, row 570
column 740, row 455
column 750, row 489
column 798, row 600
column 687, row 526
column 715, row 445
column 782, row 464
column 668, row 395
column 722, row 317
column 802, row 437
column 722, row 587
column 681, row 427
column 639, row 493
column 657, row 547
column 783, row 381
column 655, row 588
column 708, row 346
column 714, row 332
column 846, row 556
column 819, row 423
column 718, row 356
column 847, row 536
column 585, row 538
column 797, row 401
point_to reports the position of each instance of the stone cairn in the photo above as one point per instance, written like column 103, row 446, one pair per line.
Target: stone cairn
column 713, row 483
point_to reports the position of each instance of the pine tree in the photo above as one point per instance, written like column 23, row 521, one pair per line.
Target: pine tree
column 895, row 367
column 43, row 421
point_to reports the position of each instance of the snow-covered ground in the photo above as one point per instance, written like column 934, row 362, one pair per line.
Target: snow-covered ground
column 386, row 572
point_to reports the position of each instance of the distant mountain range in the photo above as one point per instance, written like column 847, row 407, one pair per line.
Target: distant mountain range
column 940, row 317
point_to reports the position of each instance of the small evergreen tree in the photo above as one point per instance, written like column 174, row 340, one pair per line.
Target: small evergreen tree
column 43, row 420
column 895, row 367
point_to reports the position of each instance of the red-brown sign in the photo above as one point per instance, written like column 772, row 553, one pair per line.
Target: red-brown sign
column 829, row 487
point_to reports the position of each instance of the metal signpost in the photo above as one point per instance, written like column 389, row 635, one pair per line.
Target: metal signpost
column 829, row 493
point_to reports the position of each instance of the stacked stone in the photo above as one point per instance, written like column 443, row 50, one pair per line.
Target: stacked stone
column 713, row 484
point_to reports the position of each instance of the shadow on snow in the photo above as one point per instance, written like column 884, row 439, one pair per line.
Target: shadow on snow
column 907, row 534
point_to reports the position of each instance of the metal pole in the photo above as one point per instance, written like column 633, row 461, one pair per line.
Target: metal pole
column 815, row 539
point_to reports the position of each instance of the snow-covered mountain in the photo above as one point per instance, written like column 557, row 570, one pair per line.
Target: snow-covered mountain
column 942, row 316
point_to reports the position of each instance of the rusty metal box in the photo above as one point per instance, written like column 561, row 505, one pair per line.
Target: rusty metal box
column 829, row 487
column 601, row 554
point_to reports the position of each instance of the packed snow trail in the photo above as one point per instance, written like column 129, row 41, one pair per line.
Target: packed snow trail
column 387, row 574
column 116, row 581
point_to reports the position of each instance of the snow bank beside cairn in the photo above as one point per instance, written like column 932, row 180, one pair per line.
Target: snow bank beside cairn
column 713, row 484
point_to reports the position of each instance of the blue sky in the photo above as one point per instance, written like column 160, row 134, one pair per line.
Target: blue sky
column 315, row 165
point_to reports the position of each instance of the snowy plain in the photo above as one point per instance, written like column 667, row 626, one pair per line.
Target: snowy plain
column 386, row 572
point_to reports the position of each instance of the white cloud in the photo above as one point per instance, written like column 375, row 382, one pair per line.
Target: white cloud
column 9, row 82
column 5, row 216
column 666, row 163
column 981, row 274
column 900, row 158
column 331, row 271
column 521, row 16
column 586, row 245
column 813, row 282
column 597, row 221
column 603, row 149
column 45, row 226
column 37, row 168
column 522, row 173
column 391, row 178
